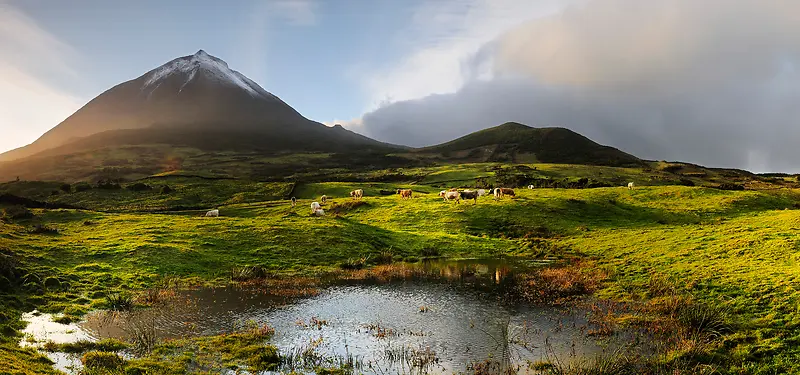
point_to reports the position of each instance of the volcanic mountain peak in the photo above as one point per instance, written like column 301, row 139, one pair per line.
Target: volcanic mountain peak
column 188, row 68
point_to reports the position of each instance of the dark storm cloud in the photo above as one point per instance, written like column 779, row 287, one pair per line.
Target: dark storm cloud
column 714, row 82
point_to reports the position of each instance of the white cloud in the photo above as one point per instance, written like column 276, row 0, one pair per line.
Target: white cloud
column 31, row 55
column 442, row 38
column 714, row 82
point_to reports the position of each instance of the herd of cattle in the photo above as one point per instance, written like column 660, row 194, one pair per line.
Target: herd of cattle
column 448, row 195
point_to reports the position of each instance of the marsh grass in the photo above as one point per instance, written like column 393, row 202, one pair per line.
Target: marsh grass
column 248, row 273
column 560, row 284
column 105, row 345
column 101, row 360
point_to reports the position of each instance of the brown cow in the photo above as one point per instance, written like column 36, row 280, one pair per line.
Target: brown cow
column 501, row 192
column 404, row 193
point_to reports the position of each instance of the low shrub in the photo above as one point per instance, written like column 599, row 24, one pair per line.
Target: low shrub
column 139, row 186
column 431, row 252
column 730, row 186
column 42, row 229
column 166, row 189
column 82, row 186
column 16, row 213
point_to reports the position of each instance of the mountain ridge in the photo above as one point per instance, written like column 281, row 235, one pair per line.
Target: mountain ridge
column 192, row 91
column 510, row 140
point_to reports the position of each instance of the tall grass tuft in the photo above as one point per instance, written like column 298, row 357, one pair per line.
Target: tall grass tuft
column 119, row 301
column 704, row 320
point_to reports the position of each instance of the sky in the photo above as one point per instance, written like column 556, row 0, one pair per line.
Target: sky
column 713, row 82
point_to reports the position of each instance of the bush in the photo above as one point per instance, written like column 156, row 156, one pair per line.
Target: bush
column 67, row 188
column 52, row 283
column 166, row 189
column 139, row 187
column 430, row 252
column 82, row 186
column 102, row 361
column 686, row 182
column 16, row 212
column 42, row 229
column 108, row 185
column 730, row 186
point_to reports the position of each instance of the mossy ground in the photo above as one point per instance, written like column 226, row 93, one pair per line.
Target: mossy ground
column 737, row 249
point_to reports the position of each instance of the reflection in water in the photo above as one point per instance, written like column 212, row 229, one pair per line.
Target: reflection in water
column 433, row 316
column 385, row 325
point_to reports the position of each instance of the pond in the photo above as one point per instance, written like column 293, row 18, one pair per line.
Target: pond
column 440, row 318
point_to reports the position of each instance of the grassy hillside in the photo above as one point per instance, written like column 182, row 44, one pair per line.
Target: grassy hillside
column 327, row 153
column 514, row 142
column 657, row 245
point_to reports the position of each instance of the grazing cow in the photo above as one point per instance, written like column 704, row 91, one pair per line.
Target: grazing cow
column 315, row 207
column 630, row 185
column 319, row 212
column 323, row 199
column 481, row 192
column 450, row 195
column 212, row 213
column 468, row 194
column 502, row 192
column 294, row 201
column 530, row 186
column 404, row 193
column 357, row 194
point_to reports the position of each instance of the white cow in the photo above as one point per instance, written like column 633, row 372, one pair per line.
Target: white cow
column 315, row 207
column 450, row 195
column 294, row 201
column 212, row 213
column 357, row 194
column 530, row 186
column 481, row 192
column 319, row 212
column 630, row 185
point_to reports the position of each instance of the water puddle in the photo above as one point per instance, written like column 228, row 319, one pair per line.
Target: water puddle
column 444, row 321
column 42, row 328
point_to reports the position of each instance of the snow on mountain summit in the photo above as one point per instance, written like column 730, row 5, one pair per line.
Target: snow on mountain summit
column 210, row 67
